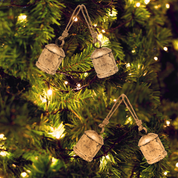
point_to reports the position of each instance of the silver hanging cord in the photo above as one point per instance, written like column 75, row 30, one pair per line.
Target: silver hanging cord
column 70, row 23
column 90, row 26
column 122, row 98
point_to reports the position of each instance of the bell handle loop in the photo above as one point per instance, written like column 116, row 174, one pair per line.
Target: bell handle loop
column 56, row 42
column 99, row 44
column 120, row 99
column 90, row 26
column 141, row 130
column 70, row 23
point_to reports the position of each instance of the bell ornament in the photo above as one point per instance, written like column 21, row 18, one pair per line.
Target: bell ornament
column 104, row 62
column 88, row 145
column 152, row 148
column 50, row 58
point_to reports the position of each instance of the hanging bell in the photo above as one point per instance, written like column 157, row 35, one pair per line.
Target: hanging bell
column 50, row 58
column 104, row 62
column 152, row 148
column 88, row 145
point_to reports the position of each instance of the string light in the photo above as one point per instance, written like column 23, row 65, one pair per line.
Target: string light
column 66, row 82
column 128, row 65
column 95, row 25
column 176, row 164
column 114, row 100
column 3, row 153
column 23, row 174
column 168, row 123
column 1, row 136
column 133, row 51
column 167, row 5
column 100, row 36
column 155, row 58
column 75, row 19
column 58, row 132
column 165, row 49
column 103, row 31
column 14, row 165
column 22, row 18
column 147, row 1
column 50, row 92
column 44, row 100
column 138, row 4
column 85, row 74
column 165, row 173
column 156, row 7
column 79, row 85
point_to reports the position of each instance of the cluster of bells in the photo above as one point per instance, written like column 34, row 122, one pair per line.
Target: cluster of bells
column 105, row 65
column 53, row 54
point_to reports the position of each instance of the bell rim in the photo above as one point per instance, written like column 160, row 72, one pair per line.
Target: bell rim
column 62, row 54
column 104, row 52
column 141, row 143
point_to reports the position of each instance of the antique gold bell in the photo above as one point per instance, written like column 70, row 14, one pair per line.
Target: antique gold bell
column 50, row 58
column 104, row 62
column 88, row 145
column 152, row 148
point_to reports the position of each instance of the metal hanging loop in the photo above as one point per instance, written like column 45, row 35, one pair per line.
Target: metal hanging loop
column 70, row 23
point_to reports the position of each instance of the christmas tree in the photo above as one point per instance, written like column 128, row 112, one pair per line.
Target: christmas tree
column 45, row 112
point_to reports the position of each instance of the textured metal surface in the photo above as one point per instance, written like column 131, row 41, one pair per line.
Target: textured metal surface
column 88, row 145
column 152, row 148
column 50, row 58
column 104, row 62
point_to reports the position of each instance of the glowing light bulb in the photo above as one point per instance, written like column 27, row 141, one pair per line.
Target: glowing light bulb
column 165, row 49
column 50, row 92
column 13, row 165
column 176, row 164
column 115, row 100
column 155, row 58
column 100, row 36
column 128, row 65
column 103, row 31
column 168, row 123
column 156, row 7
column 58, row 132
column 167, row 5
column 75, row 19
column 107, row 156
column 85, row 74
column 3, row 153
column 165, row 173
column 138, row 4
column 133, row 51
column 78, row 85
column 147, row 1
column 95, row 25
column 22, row 18
column 66, row 82
column 1, row 136
column 23, row 174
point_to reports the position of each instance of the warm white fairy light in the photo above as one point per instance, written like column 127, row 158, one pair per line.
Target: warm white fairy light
column 165, row 173
column 115, row 100
column 22, row 17
column 66, row 82
column 128, row 65
column 50, row 92
column 1, row 136
column 100, row 36
column 14, row 165
column 103, row 31
column 133, row 51
column 58, row 132
column 176, row 164
column 165, row 48
column 168, row 123
column 78, row 85
column 155, row 58
column 138, row 4
column 167, row 5
column 23, row 174
column 3, row 153
column 147, row 1
column 156, row 7
column 86, row 74
column 75, row 19
column 95, row 25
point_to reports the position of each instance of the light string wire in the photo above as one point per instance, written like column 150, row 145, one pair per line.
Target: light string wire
column 122, row 98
